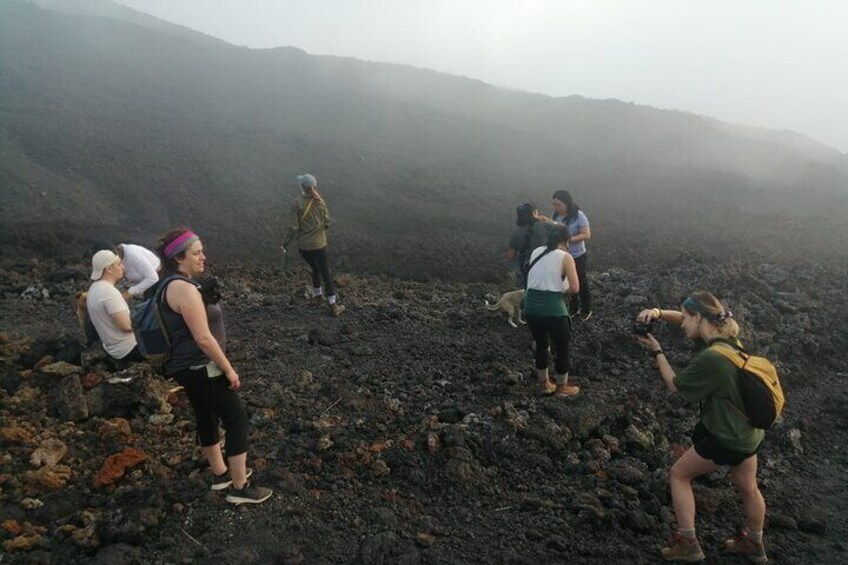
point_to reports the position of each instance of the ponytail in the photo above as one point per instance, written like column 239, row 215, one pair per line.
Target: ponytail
column 558, row 234
column 711, row 309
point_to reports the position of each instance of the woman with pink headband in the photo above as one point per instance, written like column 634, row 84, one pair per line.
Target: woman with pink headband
column 199, row 364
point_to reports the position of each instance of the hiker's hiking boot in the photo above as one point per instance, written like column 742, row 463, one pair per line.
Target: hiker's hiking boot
column 546, row 387
column 336, row 310
column 741, row 544
column 681, row 549
column 565, row 390
column 317, row 300
column 585, row 315
column 248, row 494
column 223, row 481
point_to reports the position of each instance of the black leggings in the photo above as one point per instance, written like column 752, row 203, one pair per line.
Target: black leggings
column 212, row 400
column 582, row 301
column 317, row 261
column 551, row 331
column 134, row 356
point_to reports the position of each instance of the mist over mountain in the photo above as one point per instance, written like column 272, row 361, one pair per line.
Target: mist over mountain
column 119, row 125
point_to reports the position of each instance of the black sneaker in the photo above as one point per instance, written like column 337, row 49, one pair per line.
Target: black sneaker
column 248, row 494
column 223, row 481
column 586, row 315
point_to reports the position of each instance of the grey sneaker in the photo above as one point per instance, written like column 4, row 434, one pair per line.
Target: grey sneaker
column 248, row 494
column 223, row 481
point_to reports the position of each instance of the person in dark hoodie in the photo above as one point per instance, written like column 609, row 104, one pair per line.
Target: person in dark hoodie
column 309, row 220
column 531, row 232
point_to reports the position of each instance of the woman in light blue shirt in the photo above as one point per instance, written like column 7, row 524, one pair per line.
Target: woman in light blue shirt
column 566, row 211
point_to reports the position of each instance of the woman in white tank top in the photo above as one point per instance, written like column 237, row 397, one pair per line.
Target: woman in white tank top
column 552, row 276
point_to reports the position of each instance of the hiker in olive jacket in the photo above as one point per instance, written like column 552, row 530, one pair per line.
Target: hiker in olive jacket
column 308, row 221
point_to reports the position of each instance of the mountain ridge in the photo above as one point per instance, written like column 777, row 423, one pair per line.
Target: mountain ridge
column 132, row 123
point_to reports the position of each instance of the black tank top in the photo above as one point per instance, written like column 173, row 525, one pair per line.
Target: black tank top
column 185, row 352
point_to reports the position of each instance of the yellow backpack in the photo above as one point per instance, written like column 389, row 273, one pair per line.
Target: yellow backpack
column 759, row 385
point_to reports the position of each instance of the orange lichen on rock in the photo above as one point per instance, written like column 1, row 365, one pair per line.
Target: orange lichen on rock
column 116, row 465
column 15, row 434
column 12, row 526
column 54, row 477
column 27, row 537
column 21, row 543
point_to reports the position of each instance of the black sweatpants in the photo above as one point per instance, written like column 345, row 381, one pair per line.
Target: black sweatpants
column 214, row 402
column 582, row 301
column 317, row 261
column 551, row 331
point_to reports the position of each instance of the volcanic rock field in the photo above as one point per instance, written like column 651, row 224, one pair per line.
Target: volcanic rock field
column 407, row 431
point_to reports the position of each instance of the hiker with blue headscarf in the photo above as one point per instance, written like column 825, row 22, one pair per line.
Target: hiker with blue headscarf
column 309, row 220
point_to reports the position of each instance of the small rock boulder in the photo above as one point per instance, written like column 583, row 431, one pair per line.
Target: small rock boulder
column 70, row 399
column 61, row 368
column 49, row 453
column 321, row 337
column 116, row 465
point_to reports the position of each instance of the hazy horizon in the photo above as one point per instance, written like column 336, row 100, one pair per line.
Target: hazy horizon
column 771, row 64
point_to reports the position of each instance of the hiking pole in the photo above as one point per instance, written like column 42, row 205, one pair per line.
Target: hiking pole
column 285, row 257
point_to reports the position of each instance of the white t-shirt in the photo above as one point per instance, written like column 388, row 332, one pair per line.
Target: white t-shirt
column 103, row 301
column 141, row 265
column 546, row 274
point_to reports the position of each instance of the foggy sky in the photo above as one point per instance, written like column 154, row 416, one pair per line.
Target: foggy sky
column 772, row 63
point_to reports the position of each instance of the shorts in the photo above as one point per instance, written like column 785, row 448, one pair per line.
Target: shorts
column 709, row 447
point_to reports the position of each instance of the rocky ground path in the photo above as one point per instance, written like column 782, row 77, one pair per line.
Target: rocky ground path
column 407, row 430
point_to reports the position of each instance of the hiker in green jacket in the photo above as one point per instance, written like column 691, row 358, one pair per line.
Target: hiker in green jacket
column 723, row 435
column 309, row 220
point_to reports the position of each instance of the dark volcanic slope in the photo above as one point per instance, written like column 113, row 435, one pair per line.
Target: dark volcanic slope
column 413, row 436
column 122, row 127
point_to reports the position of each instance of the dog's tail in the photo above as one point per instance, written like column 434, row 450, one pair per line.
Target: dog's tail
column 80, row 310
column 491, row 307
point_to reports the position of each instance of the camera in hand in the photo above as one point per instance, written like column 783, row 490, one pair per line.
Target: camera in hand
column 643, row 329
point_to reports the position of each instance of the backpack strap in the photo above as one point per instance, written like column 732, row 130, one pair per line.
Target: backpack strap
column 536, row 260
column 306, row 210
column 732, row 350
column 159, row 299
column 159, row 296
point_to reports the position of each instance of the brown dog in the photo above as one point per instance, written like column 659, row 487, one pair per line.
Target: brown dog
column 80, row 304
column 510, row 303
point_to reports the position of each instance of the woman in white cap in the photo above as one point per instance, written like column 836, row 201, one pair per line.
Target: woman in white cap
column 309, row 220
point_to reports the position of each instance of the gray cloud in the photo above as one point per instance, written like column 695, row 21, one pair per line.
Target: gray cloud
column 771, row 63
